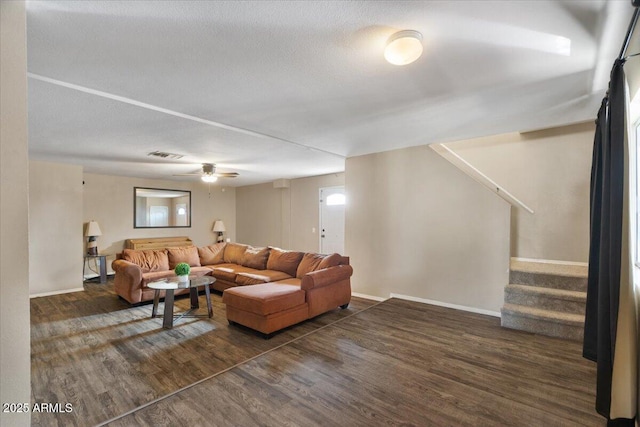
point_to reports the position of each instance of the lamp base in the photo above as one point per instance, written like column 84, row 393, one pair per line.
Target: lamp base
column 92, row 246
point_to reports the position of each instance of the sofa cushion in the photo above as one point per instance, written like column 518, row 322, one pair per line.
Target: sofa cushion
column 233, row 253
column 148, row 260
column 286, row 261
column 255, row 258
column 229, row 272
column 329, row 261
column 308, row 263
column 200, row 271
column 188, row 254
column 212, row 254
column 294, row 281
column 262, row 276
column 264, row 299
column 154, row 276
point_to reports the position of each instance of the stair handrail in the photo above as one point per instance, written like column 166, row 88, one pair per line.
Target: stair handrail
column 482, row 178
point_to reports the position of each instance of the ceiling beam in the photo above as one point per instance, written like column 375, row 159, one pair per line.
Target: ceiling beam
column 176, row 113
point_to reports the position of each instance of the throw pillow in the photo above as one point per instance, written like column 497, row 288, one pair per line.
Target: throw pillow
column 212, row 254
column 255, row 258
column 188, row 254
column 330, row 261
column 285, row 261
column 148, row 260
column 308, row 264
column 233, row 253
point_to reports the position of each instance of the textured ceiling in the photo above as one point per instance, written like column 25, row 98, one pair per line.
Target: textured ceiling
column 280, row 89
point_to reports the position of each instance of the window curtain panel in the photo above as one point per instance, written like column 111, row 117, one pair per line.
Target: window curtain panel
column 610, row 334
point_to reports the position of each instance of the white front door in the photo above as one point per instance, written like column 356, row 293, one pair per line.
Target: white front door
column 181, row 215
column 158, row 216
column 332, row 202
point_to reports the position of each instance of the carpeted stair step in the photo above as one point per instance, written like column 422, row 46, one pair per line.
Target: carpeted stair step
column 544, row 322
column 560, row 300
column 549, row 275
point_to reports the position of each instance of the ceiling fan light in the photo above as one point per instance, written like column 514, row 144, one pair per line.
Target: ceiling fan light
column 403, row 47
column 209, row 178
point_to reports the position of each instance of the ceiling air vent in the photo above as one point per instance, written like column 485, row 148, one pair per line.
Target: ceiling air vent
column 164, row 155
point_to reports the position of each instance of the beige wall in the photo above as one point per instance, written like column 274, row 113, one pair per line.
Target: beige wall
column 14, row 213
column 109, row 200
column 259, row 215
column 62, row 206
column 55, row 227
column 549, row 171
column 283, row 217
column 417, row 226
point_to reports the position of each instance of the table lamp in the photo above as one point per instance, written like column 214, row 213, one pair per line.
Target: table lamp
column 218, row 227
column 93, row 231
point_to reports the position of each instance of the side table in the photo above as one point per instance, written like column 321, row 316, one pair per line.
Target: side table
column 102, row 259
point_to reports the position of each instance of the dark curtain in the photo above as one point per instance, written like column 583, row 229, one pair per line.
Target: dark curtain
column 607, row 194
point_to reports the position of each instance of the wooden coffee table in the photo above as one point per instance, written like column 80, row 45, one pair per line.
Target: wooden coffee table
column 170, row 286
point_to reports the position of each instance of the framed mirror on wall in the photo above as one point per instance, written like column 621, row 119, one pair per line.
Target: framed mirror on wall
column 161, row 208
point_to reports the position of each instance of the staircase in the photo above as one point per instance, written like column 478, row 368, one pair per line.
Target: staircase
column 546, row 298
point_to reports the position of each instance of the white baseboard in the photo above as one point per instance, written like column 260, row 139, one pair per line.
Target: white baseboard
column 446, row 304
column 551, row 261
column 47, row 294
column 365, row 296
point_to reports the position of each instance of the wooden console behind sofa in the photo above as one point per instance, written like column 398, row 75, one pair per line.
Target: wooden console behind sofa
column 158, row 243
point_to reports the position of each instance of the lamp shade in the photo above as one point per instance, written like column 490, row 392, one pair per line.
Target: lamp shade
column 93, row 229
column 218, row 227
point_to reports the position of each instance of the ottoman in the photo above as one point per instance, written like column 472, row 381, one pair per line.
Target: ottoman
column 266, row 307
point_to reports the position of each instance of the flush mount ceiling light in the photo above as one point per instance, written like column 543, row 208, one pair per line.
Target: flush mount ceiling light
column 403, row 47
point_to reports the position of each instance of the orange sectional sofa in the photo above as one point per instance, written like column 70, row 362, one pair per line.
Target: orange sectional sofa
column 265, row 289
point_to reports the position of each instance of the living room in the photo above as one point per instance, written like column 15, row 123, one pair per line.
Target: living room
column 418, row 227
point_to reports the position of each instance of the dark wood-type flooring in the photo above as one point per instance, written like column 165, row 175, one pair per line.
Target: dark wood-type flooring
column 95, row 351
column 393, row 363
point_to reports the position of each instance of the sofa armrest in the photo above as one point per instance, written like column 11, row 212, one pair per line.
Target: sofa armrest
column 326, row 276
column 132, row 271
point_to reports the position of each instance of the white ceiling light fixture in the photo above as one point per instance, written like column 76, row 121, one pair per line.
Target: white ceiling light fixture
column 403, row 47
column 209, row 178
column 209, row 173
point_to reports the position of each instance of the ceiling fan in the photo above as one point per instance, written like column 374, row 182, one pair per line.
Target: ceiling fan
column 209, row 173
